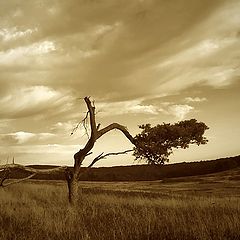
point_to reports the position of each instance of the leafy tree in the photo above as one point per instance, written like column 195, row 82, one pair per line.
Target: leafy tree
column 155, row 144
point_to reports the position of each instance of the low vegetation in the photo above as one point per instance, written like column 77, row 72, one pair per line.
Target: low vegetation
column 205, row 207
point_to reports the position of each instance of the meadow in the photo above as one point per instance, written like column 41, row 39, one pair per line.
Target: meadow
column 200, row 207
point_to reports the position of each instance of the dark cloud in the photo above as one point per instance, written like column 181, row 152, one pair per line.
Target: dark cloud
column 101, row 43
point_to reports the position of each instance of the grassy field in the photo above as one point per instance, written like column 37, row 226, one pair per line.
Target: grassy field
column 201, row 207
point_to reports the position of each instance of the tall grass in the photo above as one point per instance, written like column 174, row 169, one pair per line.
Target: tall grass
column 41, row 211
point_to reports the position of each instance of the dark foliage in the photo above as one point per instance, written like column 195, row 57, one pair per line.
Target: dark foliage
column 155, row 144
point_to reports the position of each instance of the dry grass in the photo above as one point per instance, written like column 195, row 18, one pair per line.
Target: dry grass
column 40, row 211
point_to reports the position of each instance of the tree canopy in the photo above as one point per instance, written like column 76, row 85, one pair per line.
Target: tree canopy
column 155, row 144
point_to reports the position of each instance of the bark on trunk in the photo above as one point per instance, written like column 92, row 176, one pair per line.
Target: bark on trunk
column 73, row 191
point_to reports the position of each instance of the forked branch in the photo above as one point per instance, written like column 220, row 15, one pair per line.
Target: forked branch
column 96, row 133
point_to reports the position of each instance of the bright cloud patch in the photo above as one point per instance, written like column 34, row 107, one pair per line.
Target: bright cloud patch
column 30, row 96
column 21, row 53
column 30, row 101
column 195, row 99
column 180, row 111
column 13, row 34
column 222, row 77
column 22, row 137
column 126, row 107
column 200, row 50
column 103, row 29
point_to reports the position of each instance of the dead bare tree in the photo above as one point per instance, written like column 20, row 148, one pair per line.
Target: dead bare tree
column 72, row 175
column 96, row 133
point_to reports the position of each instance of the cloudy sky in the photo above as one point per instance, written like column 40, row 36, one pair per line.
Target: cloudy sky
column 142, row 61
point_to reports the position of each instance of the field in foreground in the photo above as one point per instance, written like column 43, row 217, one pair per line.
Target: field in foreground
column 205, row 207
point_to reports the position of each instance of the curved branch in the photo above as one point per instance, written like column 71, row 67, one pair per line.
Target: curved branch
column 120, row 128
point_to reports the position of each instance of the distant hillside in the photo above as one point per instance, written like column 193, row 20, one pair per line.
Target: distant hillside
column 145, row 172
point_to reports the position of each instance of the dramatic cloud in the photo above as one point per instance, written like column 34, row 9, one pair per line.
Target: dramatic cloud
column 141, row 61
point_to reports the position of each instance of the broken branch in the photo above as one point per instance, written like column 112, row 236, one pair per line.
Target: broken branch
column 17, row 181
column 32, row 170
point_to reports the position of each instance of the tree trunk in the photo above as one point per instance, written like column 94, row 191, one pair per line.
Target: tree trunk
column 72, row 177
column 73, row 191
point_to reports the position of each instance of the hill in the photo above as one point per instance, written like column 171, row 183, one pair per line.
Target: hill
column 144, row 172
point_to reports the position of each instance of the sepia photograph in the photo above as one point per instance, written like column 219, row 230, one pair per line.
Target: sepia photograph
column 119, row 120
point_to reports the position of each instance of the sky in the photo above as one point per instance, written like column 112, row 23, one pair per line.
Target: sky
column 141, row 61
